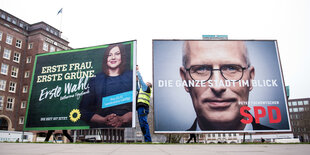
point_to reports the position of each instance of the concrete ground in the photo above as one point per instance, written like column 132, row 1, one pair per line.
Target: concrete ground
column 152, row 149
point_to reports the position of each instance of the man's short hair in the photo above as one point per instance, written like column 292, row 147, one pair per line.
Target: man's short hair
column 187, row 48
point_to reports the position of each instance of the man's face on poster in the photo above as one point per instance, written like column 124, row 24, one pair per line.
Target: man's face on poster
column 217, row 104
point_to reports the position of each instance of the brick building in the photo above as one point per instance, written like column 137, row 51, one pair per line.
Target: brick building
column 300, row 118
column 19, row 43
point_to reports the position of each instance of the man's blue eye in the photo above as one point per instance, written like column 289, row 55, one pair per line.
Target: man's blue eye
column 200, row 69
column 231, row 68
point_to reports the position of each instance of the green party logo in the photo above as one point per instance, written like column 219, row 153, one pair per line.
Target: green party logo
column 75, row 115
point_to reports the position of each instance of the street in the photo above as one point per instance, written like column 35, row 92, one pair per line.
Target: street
column 152, row 149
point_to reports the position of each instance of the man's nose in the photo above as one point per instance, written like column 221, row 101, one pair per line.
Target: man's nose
column 218, row 83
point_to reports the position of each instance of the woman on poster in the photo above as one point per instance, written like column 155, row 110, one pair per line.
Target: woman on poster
column 114, row 81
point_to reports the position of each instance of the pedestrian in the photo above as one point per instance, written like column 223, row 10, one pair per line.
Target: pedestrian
column 191, row 136
column 262, row 140
column 65, row 133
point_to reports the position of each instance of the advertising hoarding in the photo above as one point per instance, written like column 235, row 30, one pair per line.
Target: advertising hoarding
column 83, row 88
column 218, row 86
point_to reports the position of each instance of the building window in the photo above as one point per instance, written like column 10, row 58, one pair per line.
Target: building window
column 23, row 105
column 291, row 110
column 306, row 102
column 28, row 60
column 9, row 39
column 14, row 72
column 30, row 45
column 52, row 48
column 14, row 21
column 10, row 103
column 25, row 89
column 295, row 109
column 45, row 46
column 1, row 35
column 2, row 85
column 294, row 103
column 7, row 54
column 12, row 87
column 297, row 117
column 18, row 43
column 21, row 120
column 27, row 74
column 16, row 57
column 21, row 25
column 9, row 19
column 4, row 69
column 1, row 102
column 289, row 104
column 301, row 109
column 3, row 16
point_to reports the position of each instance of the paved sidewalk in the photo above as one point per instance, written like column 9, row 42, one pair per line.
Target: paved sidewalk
column 152, row 149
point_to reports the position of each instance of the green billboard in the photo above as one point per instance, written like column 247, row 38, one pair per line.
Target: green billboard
column 83, row 88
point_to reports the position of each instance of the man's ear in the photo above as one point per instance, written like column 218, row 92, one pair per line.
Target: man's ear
column 183, row 76
column 252, row 75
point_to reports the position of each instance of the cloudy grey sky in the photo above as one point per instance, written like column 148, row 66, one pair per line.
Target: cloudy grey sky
column 97, row 22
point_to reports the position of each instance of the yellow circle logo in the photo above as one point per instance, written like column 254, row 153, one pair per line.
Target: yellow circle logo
column 75, row 115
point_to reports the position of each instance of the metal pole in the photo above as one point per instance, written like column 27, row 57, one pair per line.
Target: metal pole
column 243, row 137
column 74, row 136
column 23, row 136
column 135, row 134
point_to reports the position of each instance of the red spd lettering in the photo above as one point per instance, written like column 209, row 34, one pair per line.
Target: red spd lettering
column 260, row 112
column 245, row 114
column 278, row 114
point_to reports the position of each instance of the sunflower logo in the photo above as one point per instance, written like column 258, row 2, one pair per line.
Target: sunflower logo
column 75, row 115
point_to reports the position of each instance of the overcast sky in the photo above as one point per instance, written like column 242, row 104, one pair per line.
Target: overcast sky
column 97, row 22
